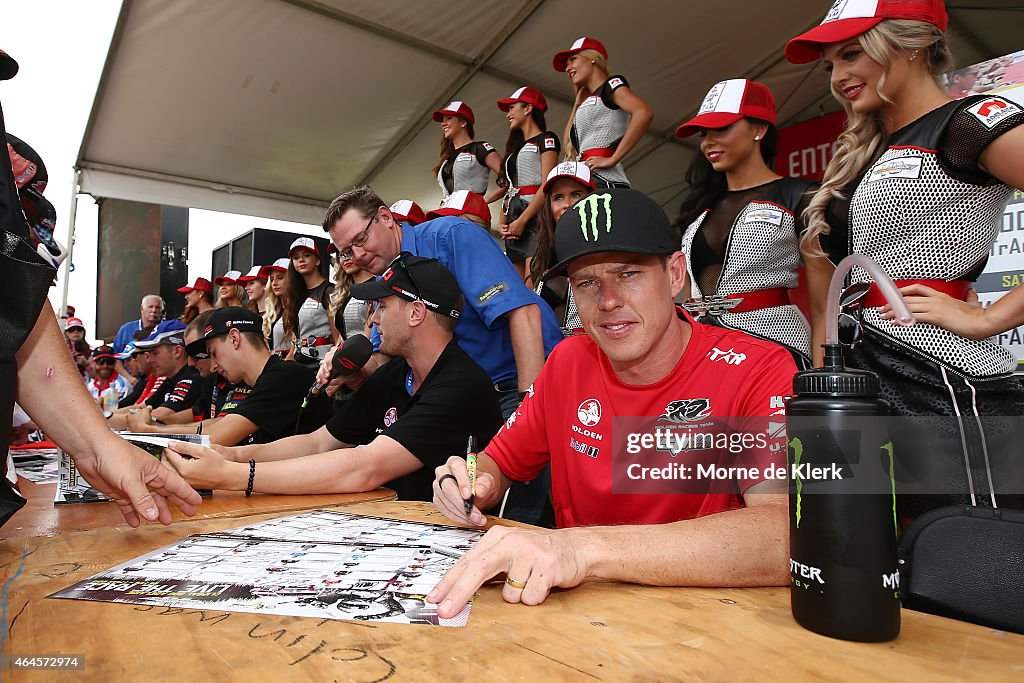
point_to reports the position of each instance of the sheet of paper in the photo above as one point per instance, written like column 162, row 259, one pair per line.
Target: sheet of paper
column 319, row 563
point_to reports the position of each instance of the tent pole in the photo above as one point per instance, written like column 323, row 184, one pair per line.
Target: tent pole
column 72, row 214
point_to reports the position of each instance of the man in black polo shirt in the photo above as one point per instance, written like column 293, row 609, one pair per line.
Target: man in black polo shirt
column 216, row 397
column 166, row 350
column 233, row 340
column 409, row 416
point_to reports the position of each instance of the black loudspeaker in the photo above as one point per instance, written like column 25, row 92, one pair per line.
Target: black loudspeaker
column 260, row 247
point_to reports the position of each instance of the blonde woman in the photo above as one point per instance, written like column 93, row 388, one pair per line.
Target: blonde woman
column 919, row 183
column 351, row 316
column 273, row 311
column 230, row 291
column 607, row 119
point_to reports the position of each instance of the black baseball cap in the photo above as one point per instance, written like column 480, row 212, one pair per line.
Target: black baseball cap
column 618, row 219
column 415, row 278
column 222, row 321
column 104, row 351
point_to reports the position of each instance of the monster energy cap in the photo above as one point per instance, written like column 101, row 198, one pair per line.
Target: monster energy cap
column 612, row 220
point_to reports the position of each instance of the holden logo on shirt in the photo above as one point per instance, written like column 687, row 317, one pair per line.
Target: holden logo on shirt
column 589, row 412
column 901, row 167
column 391, row 417
column 687, row 410
column 764, row 215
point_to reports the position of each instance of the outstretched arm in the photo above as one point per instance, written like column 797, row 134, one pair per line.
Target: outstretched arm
column 744, row 547
column 51, row 391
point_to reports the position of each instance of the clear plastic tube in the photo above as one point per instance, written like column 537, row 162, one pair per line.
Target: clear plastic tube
column 881, row 278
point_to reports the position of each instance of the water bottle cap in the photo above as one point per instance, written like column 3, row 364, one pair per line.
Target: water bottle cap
column 836, row 382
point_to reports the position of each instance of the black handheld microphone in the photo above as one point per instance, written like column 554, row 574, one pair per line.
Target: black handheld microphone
column 349, row 359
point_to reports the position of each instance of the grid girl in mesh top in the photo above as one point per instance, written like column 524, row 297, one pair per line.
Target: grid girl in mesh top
column 741, row 223
column 919, row 183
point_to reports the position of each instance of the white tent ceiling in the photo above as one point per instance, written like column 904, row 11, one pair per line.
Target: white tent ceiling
column 272, row 107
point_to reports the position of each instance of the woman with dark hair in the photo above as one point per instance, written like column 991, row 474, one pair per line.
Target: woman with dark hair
column 530, row 154
column 919, row 183
column 607, row 119
column 741, row 223
column 229, row 289
column 465, row 163
column 198, row 298
column 566, row 184
column 309, row 297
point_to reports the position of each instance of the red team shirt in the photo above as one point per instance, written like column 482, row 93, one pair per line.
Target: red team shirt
column 737, row 374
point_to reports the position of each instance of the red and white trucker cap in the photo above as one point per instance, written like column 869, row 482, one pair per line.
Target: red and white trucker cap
column 463, row 201
column 304, row 243
column 577, row 170
column 408, row 211
column 455, row 108
column 200, row 283
column 850, row 18
column 729, row 101
column 525, row 94
column 228, row 278
column 584, row 43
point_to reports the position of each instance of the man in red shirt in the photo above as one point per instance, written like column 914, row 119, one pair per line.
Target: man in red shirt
column 642, row 356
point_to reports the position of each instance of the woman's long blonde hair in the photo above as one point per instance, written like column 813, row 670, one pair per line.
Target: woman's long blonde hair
column 569, row 152
column 271, row 312
column 865, row 135
column 342, row 284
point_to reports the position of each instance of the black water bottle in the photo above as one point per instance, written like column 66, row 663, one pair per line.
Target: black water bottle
column 842, row 515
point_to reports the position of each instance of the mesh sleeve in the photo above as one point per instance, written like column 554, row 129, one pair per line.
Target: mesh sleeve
column 608, row 88
column 971, row 129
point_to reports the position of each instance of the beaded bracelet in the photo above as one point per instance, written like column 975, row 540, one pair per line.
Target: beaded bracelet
column 252, row 475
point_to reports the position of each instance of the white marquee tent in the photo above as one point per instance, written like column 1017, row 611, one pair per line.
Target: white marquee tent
column 272, row 107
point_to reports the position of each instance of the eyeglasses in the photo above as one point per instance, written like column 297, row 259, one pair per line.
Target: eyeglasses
column 851, row 319
column 357, row 241
column 103, row 361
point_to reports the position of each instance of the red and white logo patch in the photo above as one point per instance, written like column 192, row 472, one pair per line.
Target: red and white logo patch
column 614, row 83
column 549, row 143
column 993, row 110
column 390, row 417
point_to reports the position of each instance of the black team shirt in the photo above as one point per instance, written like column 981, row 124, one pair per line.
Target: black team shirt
column 456, row 399
column 179, row 391
column 274, row 401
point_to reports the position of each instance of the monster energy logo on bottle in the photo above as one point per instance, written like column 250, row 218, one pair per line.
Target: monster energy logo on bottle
column 593, row 201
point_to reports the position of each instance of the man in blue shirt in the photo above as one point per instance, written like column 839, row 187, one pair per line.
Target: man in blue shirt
column 506, row 328
column 151, row 312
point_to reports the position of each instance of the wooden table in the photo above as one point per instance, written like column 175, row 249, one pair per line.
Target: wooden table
column 598, row 631
column 40, row 517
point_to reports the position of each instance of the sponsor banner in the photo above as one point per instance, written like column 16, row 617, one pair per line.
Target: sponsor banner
column 805, row 149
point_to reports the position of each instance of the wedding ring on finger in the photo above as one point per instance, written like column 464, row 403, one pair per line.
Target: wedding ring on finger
column 515, row 584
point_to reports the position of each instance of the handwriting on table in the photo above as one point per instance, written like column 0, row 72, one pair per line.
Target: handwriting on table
column 301, row 647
